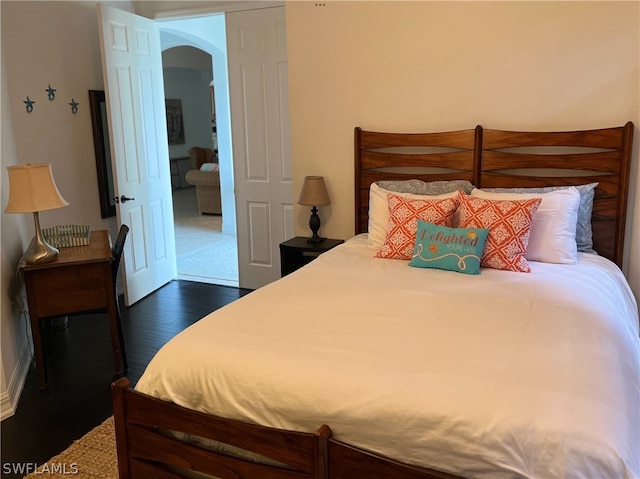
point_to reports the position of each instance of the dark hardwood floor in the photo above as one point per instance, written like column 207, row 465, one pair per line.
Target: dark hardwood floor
column 80, row 369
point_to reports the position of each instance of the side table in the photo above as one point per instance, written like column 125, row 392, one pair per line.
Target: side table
column 79, row 280
column 296, row 252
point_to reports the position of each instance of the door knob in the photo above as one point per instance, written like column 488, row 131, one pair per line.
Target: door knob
column 123, row 199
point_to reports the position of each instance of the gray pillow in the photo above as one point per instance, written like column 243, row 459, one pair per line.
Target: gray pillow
column 419, row 187
column 584, row 233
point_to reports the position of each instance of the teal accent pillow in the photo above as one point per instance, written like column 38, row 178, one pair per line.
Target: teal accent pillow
column 453, row 249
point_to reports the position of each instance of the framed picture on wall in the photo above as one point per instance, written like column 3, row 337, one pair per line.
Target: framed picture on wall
column 175, row 126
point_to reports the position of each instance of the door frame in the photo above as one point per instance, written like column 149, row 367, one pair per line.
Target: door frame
column 191, row 12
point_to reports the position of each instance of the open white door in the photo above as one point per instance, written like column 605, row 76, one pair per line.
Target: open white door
column 132, row 66
column 259, row 98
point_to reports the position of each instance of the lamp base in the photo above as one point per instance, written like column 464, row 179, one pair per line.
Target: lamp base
column 315, row 240
column 314, row 225
column 39, row 251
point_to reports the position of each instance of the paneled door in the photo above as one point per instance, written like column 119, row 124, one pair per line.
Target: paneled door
column 257, row 57
column 132, row 66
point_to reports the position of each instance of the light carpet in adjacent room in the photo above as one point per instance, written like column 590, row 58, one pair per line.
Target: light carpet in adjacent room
column 203, row 252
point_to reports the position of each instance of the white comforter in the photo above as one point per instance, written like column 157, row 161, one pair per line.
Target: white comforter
column 496, row 375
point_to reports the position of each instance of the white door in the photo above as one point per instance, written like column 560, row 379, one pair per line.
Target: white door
column 258, row 90
column 132, row 66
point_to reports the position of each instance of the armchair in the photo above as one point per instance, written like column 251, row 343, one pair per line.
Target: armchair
column 206, row 180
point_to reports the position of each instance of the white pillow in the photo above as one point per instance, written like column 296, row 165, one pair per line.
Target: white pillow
column 209, row 167
column 553, row 232
column 379, row 212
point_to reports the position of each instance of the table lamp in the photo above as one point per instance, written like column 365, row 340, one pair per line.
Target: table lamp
column 31, row 190
column 314, row 193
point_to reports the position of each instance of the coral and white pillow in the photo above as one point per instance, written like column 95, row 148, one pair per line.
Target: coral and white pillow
column 404, row 214
column 509, row 223
column 584, row 232
column 379, row 212
column 553, row 233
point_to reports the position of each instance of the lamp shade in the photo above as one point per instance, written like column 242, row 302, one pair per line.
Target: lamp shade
column 314, row 192
column 32, row 188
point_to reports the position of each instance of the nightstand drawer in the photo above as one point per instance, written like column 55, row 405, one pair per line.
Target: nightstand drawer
column 311, row 254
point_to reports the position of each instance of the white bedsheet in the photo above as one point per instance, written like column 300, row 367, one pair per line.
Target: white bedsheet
column 497, row 375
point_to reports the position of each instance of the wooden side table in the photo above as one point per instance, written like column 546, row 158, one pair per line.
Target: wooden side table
column 79, row 280
column 296, row 252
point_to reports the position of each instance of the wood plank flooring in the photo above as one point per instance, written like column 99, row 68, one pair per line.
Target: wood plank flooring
column 80, row 369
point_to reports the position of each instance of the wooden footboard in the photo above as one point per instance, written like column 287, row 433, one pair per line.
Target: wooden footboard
column 157, row 439
column 348, row 462
column 151, row 437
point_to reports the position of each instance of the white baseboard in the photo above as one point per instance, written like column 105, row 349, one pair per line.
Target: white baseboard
column 9, row 399
column 119, row 286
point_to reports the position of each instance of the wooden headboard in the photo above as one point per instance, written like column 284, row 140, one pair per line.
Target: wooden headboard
column 447, row 155
column 492, row 158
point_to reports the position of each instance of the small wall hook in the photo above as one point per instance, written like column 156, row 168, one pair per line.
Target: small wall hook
column 29, row 102
column 74, row 106
column 51, row 93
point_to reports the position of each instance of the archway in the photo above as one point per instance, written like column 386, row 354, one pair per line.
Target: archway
column 207, row 35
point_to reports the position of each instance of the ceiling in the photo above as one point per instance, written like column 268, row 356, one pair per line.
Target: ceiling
column 163, row 9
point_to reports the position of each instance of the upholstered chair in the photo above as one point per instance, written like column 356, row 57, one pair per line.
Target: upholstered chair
column 205, row 177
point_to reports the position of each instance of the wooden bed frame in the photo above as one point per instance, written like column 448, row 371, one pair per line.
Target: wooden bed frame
column 486, row 158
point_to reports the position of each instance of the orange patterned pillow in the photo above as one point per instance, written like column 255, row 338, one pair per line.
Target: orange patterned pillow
column 509, row 223
column 403, row 222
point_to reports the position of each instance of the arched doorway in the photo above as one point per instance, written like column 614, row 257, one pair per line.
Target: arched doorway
column 194, row 66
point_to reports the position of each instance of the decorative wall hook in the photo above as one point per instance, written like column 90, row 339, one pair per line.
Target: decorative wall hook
column 74, row 106
column 29, row 102
column 51, row 93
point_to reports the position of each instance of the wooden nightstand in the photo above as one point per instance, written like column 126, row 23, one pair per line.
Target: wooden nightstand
column 80, row 279
column 296, row 252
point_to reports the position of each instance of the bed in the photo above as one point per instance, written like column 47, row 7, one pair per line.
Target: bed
column 365, row 367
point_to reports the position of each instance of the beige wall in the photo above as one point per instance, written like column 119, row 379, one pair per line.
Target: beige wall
column 45, row 43
column 434, row 66
column 414, row 66
column 13, row 339
column 64, row 53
